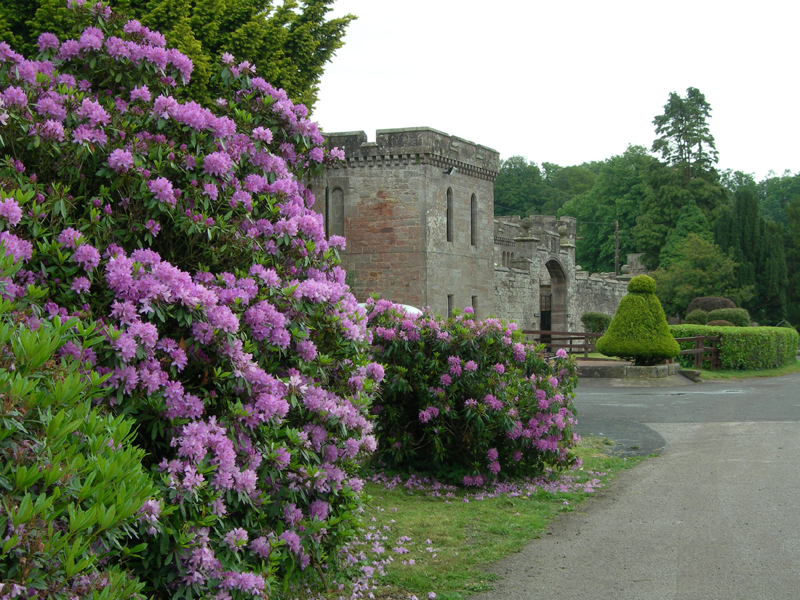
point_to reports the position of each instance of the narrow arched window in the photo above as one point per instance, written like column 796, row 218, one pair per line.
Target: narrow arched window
column 473, row 220
column 336, row 214
column 449, row 209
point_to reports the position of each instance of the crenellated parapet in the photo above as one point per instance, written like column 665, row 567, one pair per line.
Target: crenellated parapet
column 416, row 146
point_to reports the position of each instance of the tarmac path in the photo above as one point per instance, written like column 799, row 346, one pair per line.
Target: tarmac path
column 715, row 516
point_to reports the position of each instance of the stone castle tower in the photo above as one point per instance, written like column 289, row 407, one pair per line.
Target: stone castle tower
column 416, row 207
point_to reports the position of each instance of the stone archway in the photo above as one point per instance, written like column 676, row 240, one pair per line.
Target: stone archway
column 553, row 297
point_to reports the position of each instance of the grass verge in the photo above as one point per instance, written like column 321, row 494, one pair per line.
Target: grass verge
column 442, row 539
column 788, row 369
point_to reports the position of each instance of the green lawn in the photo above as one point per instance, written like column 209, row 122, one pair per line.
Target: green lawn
column 793, row 367
column 451, row 535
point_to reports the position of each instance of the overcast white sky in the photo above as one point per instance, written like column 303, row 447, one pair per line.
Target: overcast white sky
column 570, row 81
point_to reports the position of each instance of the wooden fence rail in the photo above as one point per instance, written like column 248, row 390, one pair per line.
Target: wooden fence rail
column 583, row 342
column 700, row 350
column 571, row 341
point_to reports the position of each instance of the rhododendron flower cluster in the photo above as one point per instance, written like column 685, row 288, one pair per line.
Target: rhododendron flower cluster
column 469, row 398
column 230, row 335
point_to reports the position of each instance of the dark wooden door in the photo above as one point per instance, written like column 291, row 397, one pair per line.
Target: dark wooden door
column 545, row 312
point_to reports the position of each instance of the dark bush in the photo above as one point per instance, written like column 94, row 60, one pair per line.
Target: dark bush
column 595, row 322
column 709, row 303
column 738, row 316
column 697, row 317
column 639, row 329
column 718, row 323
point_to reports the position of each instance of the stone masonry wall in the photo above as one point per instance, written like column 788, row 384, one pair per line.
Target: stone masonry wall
column 596, row 293
column 394, row 196
column 516, row 296
column 543, row 248
column 459, row 268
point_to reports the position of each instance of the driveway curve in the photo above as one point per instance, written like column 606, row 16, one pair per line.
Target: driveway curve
column 714, row 516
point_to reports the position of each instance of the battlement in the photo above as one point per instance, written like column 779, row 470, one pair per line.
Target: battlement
column 416, row 145
column 550, row 224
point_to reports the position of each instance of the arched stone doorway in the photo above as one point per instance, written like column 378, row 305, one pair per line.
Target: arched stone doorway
column 553, row 297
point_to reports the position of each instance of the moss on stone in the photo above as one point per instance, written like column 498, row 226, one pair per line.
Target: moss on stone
column 639, row 329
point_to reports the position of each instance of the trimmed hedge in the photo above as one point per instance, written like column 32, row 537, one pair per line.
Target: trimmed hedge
column 709, row 303
column 738, row 316
column 595, row 322
column 744, row 348
column 697, row 317
column 639, row 328
column 720, row 323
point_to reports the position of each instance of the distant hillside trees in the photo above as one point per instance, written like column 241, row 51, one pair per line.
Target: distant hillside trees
column 792, row 249
column 701, row 231
column 618, row 194
column 775, row 193
column 698, row 268
column 524, row 188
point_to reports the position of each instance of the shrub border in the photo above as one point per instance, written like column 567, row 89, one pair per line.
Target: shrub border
column 744, row 347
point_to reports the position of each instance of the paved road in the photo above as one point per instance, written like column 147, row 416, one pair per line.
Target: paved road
column 715, row 516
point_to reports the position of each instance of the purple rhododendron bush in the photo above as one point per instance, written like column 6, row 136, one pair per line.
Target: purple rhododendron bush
column 468, row 400
column 228, row 334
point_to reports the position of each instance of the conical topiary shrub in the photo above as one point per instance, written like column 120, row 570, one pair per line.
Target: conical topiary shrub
column 639, row 329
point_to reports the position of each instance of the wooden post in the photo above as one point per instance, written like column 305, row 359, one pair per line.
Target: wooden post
column 698, row 357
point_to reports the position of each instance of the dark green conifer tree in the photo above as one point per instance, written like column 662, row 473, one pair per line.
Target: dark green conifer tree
column 792, row 246
column 288, row 41
column 757, row 248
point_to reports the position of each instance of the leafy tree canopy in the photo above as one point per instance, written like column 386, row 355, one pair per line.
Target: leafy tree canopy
column 289, row 43
column 687, row 174
column 792, row 246
column 524, row 188
column 700, row 268
column 775, row 193
column 690, row 221
column 733, row 181
column 618, row 193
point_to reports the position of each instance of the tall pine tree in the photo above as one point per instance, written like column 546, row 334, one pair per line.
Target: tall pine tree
column 687, row 172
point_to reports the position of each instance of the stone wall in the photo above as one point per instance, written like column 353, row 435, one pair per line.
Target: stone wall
column 597, row 293
column 543, row 248
column 390, row 198
column 635, row 264
column 516, row 296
